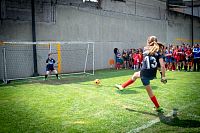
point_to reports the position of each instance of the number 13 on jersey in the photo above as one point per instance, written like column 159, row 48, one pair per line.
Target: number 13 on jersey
column 150, row 62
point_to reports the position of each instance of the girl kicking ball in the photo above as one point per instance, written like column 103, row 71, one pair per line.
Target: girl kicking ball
column 152, row 59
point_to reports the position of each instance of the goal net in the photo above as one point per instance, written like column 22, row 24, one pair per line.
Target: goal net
column 17, row 60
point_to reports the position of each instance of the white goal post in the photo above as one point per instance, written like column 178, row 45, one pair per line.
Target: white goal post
column 72, row 58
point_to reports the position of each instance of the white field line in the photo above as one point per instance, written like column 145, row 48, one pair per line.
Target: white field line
column 152, row 122
column 148, row 124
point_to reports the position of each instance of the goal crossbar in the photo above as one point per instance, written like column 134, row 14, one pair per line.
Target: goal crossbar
column 48, row 42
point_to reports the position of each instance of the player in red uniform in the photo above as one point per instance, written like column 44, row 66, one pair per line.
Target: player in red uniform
column 136, row 60
column 140, row 57
column 179, row 57
column 168, row 58
column 188, row 54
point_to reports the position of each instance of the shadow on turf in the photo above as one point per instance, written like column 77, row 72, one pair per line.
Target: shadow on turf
column 143, row 87
column 175, row 121
column 127, row 91
column 142, row 112
column 171, row 120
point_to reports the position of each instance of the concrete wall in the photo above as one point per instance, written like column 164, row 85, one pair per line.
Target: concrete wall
column 179, row 29
column 117, row 24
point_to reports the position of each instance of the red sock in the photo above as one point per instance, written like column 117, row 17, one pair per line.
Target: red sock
column 154, row 100
column 166, row 66
column 173, row 67
column 127, row 83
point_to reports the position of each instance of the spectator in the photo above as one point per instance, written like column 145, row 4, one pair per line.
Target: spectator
column 125, row 58
column 196, row 53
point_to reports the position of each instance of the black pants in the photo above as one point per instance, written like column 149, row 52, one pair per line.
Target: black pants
column 197, row 64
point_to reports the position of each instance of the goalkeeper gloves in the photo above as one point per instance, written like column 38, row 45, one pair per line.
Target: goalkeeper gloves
column 163, row 80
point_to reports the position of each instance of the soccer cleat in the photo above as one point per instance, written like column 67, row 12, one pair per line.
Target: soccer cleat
column 119, row 87
column 163, row 80
column 175, row 113
column 58, row 78
column 159, row 110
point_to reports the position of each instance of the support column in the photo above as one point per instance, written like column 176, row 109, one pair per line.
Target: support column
column 34, row 38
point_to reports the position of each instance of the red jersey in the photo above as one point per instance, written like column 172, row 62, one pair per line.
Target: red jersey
column 140, row 57
column 136, row 59
column 176, row 54
column 188, row 53
column 182, row 54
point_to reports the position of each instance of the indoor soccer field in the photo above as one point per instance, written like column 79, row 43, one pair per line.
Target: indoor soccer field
column 76, row 104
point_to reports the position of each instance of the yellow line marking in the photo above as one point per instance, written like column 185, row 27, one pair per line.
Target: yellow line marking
column 187, row 40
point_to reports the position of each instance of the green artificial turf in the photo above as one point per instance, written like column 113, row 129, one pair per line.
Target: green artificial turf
column 76, row 104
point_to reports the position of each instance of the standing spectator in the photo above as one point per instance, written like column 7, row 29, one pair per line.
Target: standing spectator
column 196, row 53
column 168, row 58
column 188, row 58
column 125, row 58
column 183, row 56
column 173, row 59
column 140, row 57
column 119, row 60
column 130, row 58
column 136, row 60
column 116, row 51
column 175, row 56
column 179, row 57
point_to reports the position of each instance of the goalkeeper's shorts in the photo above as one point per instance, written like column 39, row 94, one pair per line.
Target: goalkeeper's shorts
column 50, row 68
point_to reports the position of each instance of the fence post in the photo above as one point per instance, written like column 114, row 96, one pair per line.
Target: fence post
column 4, row 67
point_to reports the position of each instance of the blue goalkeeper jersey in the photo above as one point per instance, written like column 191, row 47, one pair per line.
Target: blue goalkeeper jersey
column 50, row 62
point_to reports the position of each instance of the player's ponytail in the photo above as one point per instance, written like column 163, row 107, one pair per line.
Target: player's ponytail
column 153, row 45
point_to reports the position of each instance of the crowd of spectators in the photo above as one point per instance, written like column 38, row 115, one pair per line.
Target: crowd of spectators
column 177, row 58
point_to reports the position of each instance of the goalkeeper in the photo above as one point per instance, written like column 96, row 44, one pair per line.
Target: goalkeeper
column 152, row 59
column 50, row 67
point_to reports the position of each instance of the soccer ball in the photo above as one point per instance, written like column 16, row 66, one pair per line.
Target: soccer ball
column 97, row 81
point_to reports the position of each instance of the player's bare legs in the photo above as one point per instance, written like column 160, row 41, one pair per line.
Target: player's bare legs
column 153, row 98
column 46, row 75
column 49, row 72
column 129, row 82
column 56, row 73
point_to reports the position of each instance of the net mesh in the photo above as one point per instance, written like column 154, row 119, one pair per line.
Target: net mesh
column 71, row 57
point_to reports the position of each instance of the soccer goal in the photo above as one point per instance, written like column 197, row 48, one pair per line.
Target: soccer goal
column 17, row 60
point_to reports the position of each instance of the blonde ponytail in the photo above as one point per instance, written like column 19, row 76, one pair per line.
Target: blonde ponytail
column 154, row 46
